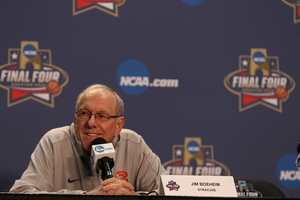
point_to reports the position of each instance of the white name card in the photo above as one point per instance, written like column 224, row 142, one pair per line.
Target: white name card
column 204, row 186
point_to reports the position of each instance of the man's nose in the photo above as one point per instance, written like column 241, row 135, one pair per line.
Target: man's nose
column 92, row 120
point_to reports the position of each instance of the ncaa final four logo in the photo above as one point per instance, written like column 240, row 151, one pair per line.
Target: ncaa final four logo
column 194, row 158
column 259, row 81
column 108, row 6
column 29, row 74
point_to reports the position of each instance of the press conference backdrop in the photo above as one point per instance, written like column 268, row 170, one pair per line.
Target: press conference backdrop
column 211, row 85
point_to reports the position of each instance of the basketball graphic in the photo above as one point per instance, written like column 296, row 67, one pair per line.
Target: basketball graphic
column 280, row 93
column 53, row 87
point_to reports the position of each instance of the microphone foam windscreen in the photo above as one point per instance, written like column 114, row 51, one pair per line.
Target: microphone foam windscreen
column 99, row 141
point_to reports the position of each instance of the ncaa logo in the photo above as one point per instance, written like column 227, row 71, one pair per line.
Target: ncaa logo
column 133, row 78
column 259, row 58
column 259, row 81
column 193, row 147
column 29, row 51
column 99, row 149
column 194, row 158
column 243, row 184
column 287, row 171
column 30, row 75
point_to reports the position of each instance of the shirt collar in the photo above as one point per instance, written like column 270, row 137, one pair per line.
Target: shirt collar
column 78, row 145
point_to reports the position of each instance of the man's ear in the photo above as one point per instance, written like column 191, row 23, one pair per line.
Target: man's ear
column 75, row 118
column 119, row 125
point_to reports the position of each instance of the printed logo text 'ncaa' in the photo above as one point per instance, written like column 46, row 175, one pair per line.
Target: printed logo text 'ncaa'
column 287, row 171
column 133, row 78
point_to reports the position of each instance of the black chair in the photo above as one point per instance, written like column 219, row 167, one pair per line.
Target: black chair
column 251, row 187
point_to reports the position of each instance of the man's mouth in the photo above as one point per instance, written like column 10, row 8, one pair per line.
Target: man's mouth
column 92, row 134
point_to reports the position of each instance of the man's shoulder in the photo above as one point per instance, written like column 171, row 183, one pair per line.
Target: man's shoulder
column 130, row 135
column 57, row 134
column 132, row 140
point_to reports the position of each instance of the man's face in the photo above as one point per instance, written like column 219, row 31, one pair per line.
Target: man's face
column 97, row 101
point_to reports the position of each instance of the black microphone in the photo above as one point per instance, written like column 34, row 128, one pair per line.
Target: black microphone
column 298, row 148
column 102, row 157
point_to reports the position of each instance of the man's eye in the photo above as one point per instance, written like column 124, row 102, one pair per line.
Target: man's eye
column 102, row 116
column 84, row 113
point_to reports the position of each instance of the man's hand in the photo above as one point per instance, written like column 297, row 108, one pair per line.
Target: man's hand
column 114, row 186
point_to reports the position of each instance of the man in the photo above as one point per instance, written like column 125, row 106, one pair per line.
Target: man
column 61, row 161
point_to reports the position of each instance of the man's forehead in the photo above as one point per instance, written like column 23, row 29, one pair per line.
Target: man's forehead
column 98, row 98
column 99, row 93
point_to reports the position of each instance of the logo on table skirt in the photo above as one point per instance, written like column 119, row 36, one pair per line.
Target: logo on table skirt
column 245, row 189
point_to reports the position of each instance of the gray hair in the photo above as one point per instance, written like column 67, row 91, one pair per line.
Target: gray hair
column 119, row 101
